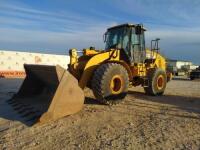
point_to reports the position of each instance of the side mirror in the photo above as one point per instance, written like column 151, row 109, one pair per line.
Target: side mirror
column 138, row 29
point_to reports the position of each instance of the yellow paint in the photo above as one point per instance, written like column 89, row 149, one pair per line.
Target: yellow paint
column 160, row 61
column 90, row 52
column 139, row 70
column 83, row 67
column 116, row 84
column 93, row 62
column 73, row 56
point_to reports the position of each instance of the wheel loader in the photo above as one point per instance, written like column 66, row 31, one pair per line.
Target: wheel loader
column 53, row 92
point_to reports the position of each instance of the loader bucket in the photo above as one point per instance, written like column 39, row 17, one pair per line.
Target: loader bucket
column 48, row 93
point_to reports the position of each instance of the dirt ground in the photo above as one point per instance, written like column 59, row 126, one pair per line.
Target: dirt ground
column 171, row 121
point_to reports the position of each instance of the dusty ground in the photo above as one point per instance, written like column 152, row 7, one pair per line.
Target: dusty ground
column 140, row 122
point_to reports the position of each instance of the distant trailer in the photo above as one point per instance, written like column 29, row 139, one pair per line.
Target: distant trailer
column 12, row 62
column 195, row 74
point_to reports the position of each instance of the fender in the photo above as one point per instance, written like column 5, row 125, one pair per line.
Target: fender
column 92, row 64
column 126, row 66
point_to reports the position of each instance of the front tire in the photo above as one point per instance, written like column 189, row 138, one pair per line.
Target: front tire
column 110, row 83
column 157, row 82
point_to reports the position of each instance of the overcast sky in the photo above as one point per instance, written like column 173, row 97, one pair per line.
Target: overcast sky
column 54, row 26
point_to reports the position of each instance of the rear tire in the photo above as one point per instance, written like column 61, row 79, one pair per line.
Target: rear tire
column 157, row 82
column 110, row 83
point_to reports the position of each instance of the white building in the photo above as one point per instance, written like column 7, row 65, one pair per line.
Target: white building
column 179, row 63
column 180, row 67
column 12, row 62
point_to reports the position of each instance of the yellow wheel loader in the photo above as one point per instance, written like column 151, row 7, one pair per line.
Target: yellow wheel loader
column 53, row 92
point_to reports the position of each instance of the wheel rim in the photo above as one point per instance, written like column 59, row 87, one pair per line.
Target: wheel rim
column 160, row 82
column 116, row 84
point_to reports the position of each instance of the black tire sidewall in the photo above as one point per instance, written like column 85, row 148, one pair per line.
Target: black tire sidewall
column 101, row 83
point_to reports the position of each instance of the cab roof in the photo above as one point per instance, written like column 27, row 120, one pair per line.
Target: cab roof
column 125, row 25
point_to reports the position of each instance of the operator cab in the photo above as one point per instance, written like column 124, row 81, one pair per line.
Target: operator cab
column 130, row 39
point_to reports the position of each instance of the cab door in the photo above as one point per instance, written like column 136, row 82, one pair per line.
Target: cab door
column 138, row 53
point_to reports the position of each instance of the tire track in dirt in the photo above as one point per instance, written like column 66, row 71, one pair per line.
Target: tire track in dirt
column 140, row 122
